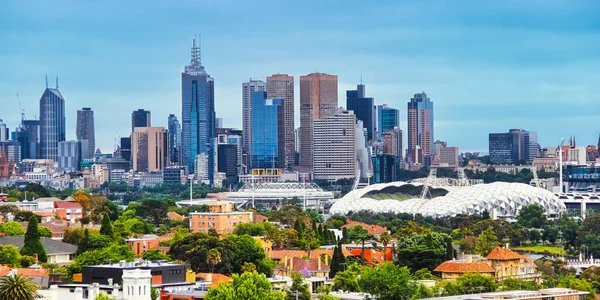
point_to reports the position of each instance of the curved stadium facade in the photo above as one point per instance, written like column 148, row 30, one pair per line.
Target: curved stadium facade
column 500, row 199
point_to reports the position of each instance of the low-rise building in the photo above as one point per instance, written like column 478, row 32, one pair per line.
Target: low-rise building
column 58, row 252
column 220, row 217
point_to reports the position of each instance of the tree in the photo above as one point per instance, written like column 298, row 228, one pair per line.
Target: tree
column 107, row 228
column 103, row 296
column 247, row 249
column 45, row 231
column 112, row 253
column 12, row 229
column 531, row 216
column 250, row 286
column 83, row 198
column 74, row 236
column 337, row 261
column 194, row 248
column 472, row 283
column 154, row 255
column 9, row 255
column 93, row 240
column 514, row 284
column 153, row 211
column 298, row 290
column 213, row 257
column 486, row 241
column 423, row 274
column 346, row 281
column 388, row 281
column 18, row 287
column 361, row 234
column 418, row 251
column 385, row 238
column 32, row 245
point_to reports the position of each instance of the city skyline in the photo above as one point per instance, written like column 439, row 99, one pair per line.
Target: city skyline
column 488, row 68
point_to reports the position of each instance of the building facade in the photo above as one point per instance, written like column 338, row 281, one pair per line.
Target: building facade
column 141, row 118
column 150, row 151
column 282, row 86
column 174, row 129
column 247, row 89
column 86, row 131
column 52, row 122
column 69, row 156
column 266, row 124
column 363, row 108
column 228, row 161
column 514, row 146
column 4, row 132
column 28, row 136
column 392, row 142
column 335, row 147
column 221, row 217
column 387, row 119
column 198, row 112
column 318, row 99
column 420, row 128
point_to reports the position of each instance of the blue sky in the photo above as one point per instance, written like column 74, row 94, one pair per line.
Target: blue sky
column 487, row 65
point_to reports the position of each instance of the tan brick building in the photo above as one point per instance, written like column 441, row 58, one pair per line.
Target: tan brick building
column 220, row 217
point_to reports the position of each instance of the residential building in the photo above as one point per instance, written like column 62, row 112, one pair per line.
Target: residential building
column 70, row 211
column 150, row 149
column 198, row 112
column 387, row 119
column 318, row 99
column 174, row 130
column 335, row 146
column 247, row 89
column 577, row 156
column 282, row 86
column 58, row 252
column 28, row 136
column 139, row 245
column 374, row 230
column 140, row 118
column 266, row 142
column 313, row 266
column 164, row 274
column 52, row 122
column 420, row 129
column 86, row 131
column 69, row 156
column 220, row 217
column 548, row 164
column 363, row 108
column 201, row 168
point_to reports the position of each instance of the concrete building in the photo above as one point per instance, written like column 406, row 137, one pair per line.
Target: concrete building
column 247, row 89
column 201, row 168
column 150, row 149
column 318, row 99
column 140, row 118
column 52, row 122
column 221, row 217
column 228, row 161
column 69, row 156
column 175, row 175
column 392, row 142
column 335, row 147
column 420, row 129
column 363, row 108
column 448, row 157
column 86, row 131
column 282, row 86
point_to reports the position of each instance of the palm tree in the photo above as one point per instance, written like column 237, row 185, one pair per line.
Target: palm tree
column 17, row 287
column 385, row 238
column 213, row 257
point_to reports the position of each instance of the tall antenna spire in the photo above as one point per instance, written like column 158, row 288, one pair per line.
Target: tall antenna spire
column 200, row 49
column 46, row 80
column 57, row 81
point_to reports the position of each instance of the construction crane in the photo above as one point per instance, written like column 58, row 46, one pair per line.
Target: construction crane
column 21, row 110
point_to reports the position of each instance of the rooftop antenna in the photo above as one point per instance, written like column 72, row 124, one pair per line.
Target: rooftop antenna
column 57, row 81
column 46, row 80
column 200, row 48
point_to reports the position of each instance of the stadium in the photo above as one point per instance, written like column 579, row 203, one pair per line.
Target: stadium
column 499, row 199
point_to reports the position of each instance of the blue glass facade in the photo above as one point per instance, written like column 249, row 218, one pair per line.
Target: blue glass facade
column 387, row 119
column 363, row 108
column 265, row 131
column 52, row 123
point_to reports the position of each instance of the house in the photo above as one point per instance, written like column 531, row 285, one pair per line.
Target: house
column 70, row 211
column 453, row 269
column 372, row 255
column 374, row 230
column 260, row 218
column 173, row 216
column 38, row 276
column 56, row 226
column 58, row 252
column 139, row 245
column 281, row 255
column 308, row 267
column 44, row 216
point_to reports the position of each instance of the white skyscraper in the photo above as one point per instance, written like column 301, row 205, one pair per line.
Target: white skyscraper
column 335, row 155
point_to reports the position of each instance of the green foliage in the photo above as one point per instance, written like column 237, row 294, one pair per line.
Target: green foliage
column 154, row 255
column 388, row 281
column 249, row 286
column 247, row 249
column 113, row 253
column 93, row 240
column 18, row 287
column 9, row 255
column 251, row 229
column 358, row 233
column 338, row 261
column 418, row 251
column 512, row 284
column 12, row 229
column 45, row 231
column 531, row 216
column 213, row 257
column 32, row 245
column 298, row 290
column 346, row 280
column 74, row 236
column 27, row 261
column 107, row 228
column 486, row 241
column 103, row 296
column 153, row 211
column 423, row 274
column 469, row 283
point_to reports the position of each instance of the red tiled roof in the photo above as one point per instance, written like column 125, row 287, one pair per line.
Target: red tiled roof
column 260, row 218
column 464, row 267
column 66, row 204
column 500, row 253
column 372, row 229
column 4, row 270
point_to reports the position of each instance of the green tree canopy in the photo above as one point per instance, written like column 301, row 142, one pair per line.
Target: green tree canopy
column 388, row 281
column 338, row 261
column 107, row 228
column 153, row 211
column 298, row 290
column 12, row 229
column 154, row 255
column 45, row 231
column 9, row 255
column 418, row 251
column 93, row 240
column 486, row 241
column 247, row 249
column 113, row 253
column 32, row 245
column 531, row 216
column 248, row 286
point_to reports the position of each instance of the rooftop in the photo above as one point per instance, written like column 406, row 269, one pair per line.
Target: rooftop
column 52, row 247
column 500, row 253
column 464, row 267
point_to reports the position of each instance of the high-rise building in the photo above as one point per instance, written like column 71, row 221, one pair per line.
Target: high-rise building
column 387, row 119
column 282, row 86
column 335, row 146
column 420, row 128
column 363, row 108
column 126, row 148
column 318, row 99
column 266, row 142
column 141, row 118
column 150, row 149
column 4, row 136
column 174, row 129
column 514, row 146
column 28, row 136
column 13, row 151
column 52, row 122
column 228, row 161
column 247, row 89
column 219, row 122
column 85, row 131
column 69, row 155
column 198, row 112
column 392, row 142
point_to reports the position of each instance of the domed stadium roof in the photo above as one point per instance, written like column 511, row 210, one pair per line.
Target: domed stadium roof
column 498, row 198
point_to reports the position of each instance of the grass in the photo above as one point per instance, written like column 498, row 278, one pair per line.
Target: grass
column 541, row 249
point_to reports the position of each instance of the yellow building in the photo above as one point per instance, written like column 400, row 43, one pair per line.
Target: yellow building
column 313, row 266
column 220, row 217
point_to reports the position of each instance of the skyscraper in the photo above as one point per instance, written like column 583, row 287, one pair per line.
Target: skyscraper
column 174, row 129
column 266, row 142
column 198, row 112
column 363, row 108
column 335, row 146
column 28, row 136
column 420, row 128
column 282, row 86
column 247, row 89
column 513, row 146
column 52, row 122
column 387, row 119
column 85, row 131
column 3, row 132
column 318, row 99
column 150, row 149
column 69, row 155
column 140, row 118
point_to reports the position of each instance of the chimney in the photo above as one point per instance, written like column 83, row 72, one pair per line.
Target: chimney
column 318, row 263
column 506, row 247
column 291, row 263
column 208, row 277
column 469, row 258
column 77, row 294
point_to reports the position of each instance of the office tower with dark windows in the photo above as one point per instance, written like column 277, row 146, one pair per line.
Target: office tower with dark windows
column 141, row 118
column 85, row 131
column 28, row 136
column 126, row 148
column 174, row 129
column 282, row 86
column 265, row 132
column 387, row 119
column 363, row 108
column 247, row 89
column 517, row 145
column 69, row 155
column 150, row 149
column 420, row 129
column 318, row 99
column 228, row 161
column 52, row 122
column 198, row 112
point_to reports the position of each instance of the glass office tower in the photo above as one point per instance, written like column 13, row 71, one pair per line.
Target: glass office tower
column 265, row 131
